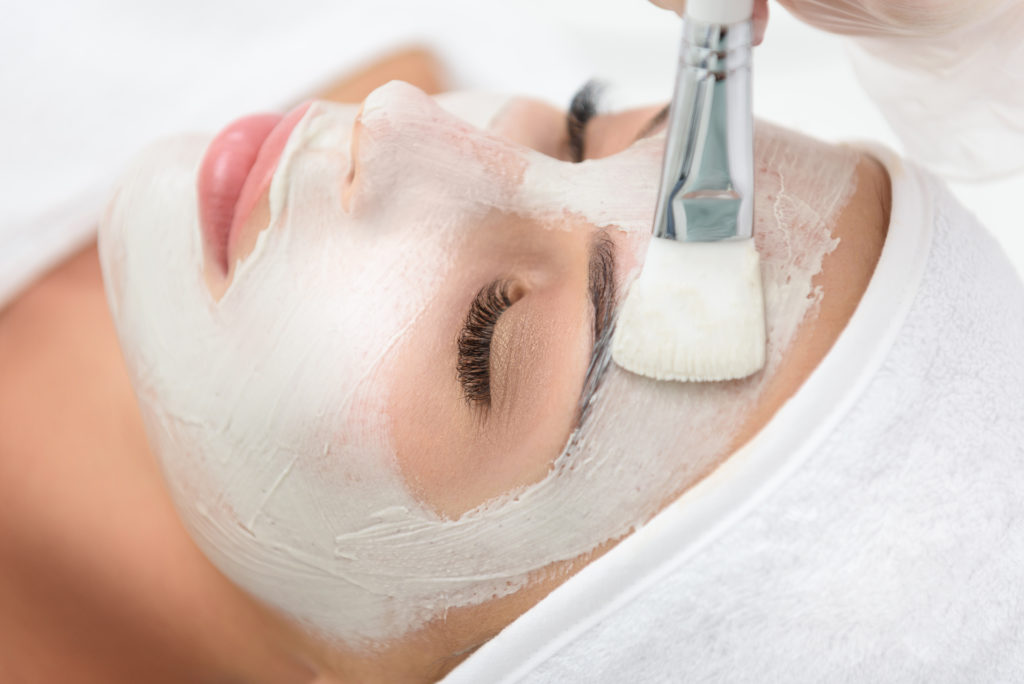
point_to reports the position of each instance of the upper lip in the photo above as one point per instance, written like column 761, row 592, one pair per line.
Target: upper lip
column 234, row 173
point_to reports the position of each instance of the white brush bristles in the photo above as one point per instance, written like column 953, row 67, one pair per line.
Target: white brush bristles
column 696, row 313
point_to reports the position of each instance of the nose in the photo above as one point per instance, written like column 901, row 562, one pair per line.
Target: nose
column 524, row 121
column 405, row 145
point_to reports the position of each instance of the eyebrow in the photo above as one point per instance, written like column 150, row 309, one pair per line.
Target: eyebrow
column 658, row 119
column 601, row 289
column 601, row 286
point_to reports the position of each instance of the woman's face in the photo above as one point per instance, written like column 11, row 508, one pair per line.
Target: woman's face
column 383, row 400
column 404, row 320
column 510, row 293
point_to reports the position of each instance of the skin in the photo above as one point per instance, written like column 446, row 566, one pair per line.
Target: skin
column 78, row 542
column 539, row 357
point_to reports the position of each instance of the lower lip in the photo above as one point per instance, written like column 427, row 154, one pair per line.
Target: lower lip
column 236, row 170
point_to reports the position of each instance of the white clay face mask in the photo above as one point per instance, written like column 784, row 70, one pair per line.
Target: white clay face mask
column 269, row 409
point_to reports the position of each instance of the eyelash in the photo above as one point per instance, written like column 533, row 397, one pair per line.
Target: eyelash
column 474, row 365
column 582, row 109
column 474, row 343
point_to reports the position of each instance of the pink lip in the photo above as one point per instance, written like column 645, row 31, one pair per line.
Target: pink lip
column 236, row 170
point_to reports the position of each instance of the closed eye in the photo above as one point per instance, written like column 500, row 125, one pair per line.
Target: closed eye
column 475, row 339
column 474, row 362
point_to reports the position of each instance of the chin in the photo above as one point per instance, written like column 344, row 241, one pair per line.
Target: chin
column 153, row 217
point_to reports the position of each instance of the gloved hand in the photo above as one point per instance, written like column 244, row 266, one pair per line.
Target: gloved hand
column 949, row 82
column 876, row 17
column 947, row 74
column 912, row 18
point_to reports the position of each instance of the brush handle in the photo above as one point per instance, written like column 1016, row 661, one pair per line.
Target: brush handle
column 720, row 11
column 707, row 183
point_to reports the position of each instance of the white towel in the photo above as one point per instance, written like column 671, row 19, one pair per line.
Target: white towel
column 874, row 531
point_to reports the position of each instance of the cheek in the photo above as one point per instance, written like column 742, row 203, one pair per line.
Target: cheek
column 433, row 427
column 455, row 455
column 423, row 410
column 548, row 342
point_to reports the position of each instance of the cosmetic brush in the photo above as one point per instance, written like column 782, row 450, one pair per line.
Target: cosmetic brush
column 696, row 312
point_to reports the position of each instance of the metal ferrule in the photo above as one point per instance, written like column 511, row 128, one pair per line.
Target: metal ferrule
column 707, row 182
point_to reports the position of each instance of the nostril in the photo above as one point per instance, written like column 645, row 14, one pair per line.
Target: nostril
column 349, row 183
column 376, row 119
column 348, row 186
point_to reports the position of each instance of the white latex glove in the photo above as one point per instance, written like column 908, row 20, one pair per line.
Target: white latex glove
column 947, row 74
column 955, row 98
column 878, row 17
column 894, row 17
